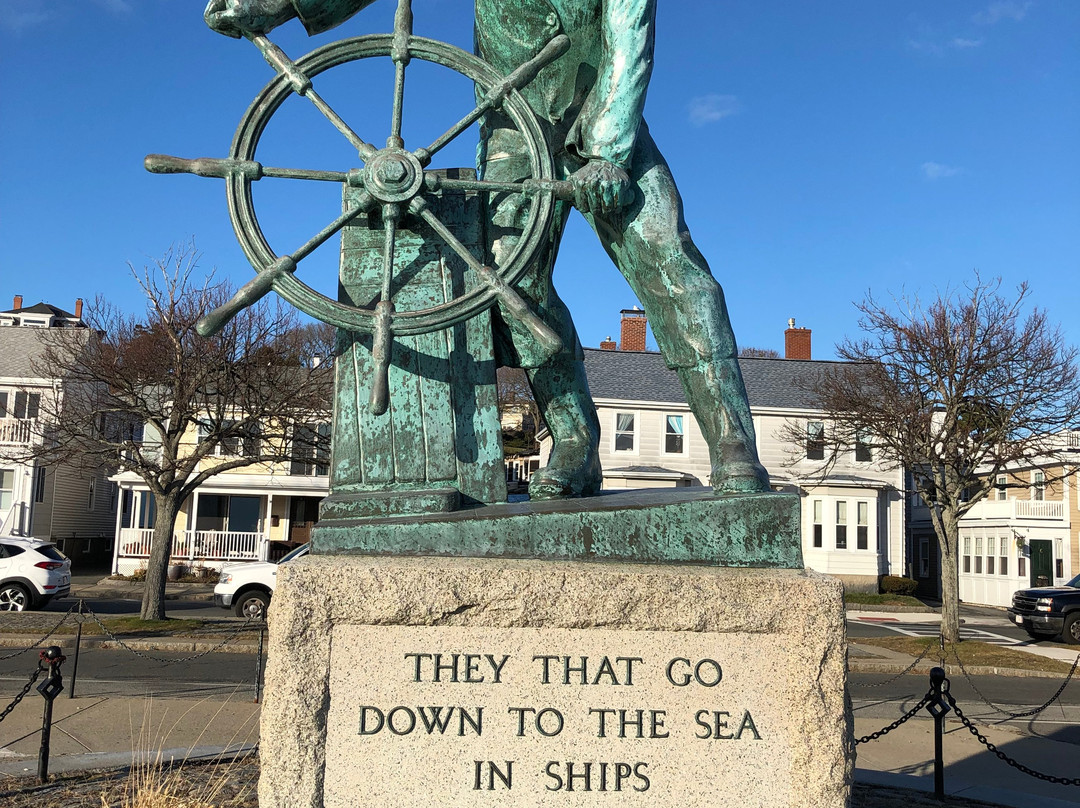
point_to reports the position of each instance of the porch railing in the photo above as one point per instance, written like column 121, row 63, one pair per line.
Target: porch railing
column 16, row 430
column 190, row 545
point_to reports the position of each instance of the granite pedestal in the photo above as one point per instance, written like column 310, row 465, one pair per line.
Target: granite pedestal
column 435, row 681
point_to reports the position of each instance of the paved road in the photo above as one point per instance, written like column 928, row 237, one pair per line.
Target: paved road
column 115, row 607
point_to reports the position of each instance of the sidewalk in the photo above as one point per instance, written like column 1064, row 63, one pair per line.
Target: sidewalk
column 102, row 731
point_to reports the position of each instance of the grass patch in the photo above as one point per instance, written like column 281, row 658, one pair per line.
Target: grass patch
column 971, row 652
column 869, row 598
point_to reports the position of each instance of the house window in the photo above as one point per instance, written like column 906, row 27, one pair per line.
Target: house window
column 674, row 437
column 841, row 525
column 818, row 527
column 1003, row 567
column 234, row 514
column 39, row 484
column 625, row 431
column 90, row 494
column 311, row 450
column 1038, row 492
column 815, row 440
column 967, row 553
column 862, row 526
column 978, row 555
column 7, row 487
column 1021, row 567
column 863, row 453
column 26, row 405
column 924, row 558
column 3, row 405
column 999, row 487
column 1059, row 560
column 991, row 549
column 238, row 442
column 147, row 511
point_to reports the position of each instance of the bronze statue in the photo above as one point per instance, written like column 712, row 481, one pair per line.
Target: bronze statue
column 589, row 102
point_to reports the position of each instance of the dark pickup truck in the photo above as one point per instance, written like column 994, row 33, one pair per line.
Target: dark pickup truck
column 1049, row 611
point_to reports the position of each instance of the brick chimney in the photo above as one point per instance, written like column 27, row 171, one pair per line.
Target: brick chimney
column 608, row 345
column 796, row 342
column 633, row 330
column 18, row 303
column 78, row 308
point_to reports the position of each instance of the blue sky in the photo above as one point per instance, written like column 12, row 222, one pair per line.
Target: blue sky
column 822, row 149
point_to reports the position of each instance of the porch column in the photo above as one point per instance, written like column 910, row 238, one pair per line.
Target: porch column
column 193, row 518
column 264, row 538
column 119, row 527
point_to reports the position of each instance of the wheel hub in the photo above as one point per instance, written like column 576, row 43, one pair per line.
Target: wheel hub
column 393, row 175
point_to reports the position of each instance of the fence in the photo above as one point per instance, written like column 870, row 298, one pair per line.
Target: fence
column 939, row 701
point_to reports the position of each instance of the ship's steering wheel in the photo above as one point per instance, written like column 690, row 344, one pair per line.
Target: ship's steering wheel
column 394, row 179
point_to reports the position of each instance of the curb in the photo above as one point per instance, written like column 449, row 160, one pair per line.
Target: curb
column 241, row 645
column 870, row 666
column 882, row 607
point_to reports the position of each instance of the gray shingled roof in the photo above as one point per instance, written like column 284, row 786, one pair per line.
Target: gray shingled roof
column 21, row 346
column 643, row 376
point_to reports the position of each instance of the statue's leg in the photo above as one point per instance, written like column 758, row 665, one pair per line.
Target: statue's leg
column 558, row 381
column 651, row 245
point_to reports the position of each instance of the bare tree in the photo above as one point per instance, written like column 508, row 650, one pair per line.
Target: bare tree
column 759, row 353
column 517, row 407
column 958, row 391
column 148, row 395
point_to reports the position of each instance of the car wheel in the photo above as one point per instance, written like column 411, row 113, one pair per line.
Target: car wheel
column 14, row 598
column 252, row 605
column 1071, row 632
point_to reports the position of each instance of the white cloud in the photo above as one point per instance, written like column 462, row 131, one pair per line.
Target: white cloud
column 962, row 43
column 704, row 109
column 937, row 171
column 1002, row 10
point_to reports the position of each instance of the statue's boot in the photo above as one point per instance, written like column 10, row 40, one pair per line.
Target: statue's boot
column 716, row 395
column 562, row 394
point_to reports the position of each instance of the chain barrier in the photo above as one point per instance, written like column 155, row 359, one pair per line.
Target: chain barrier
column 38, row 642
column 1062, row 781
column 904, row 672
column 22, row 694
column 1026, row 713
column 873, row 736
column 228, row 639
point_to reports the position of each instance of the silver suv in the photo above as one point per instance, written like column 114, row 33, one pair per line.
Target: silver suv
column 32, row 572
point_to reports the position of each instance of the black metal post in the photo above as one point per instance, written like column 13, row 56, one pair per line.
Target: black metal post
column 49, row 689
column 938, row 707
column 259, row 664
column 75, row 662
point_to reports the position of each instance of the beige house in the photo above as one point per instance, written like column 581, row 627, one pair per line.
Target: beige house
column 1024, row 533
column 254, row 513
column 71, row 506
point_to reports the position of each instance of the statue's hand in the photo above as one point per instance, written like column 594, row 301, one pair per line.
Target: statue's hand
column 601, row 187
column 236, row 18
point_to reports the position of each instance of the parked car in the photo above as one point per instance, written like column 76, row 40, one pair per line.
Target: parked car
column 246, row 588
column 1049, row 611
column 32, row 572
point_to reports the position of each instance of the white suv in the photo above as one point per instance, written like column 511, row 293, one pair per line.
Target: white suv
column 246, row 587
column 32, row 572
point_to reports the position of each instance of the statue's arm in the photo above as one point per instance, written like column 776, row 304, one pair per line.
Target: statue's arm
column 607, row 126
column 236, row 18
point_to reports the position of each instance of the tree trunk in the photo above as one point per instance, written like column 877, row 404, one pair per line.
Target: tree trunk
column 153, row 602
column 949, row 546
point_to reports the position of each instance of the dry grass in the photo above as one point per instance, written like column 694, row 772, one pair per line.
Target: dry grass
column 971, row 652
column 156, row 782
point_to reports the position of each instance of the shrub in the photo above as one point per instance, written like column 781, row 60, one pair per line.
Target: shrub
column 897, row 585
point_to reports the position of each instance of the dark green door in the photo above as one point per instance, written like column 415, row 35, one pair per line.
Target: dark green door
column 1042, row 563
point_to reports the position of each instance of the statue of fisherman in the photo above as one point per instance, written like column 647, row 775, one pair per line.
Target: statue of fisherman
column 589, row 102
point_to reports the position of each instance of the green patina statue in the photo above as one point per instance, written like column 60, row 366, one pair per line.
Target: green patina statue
column 589, row 103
